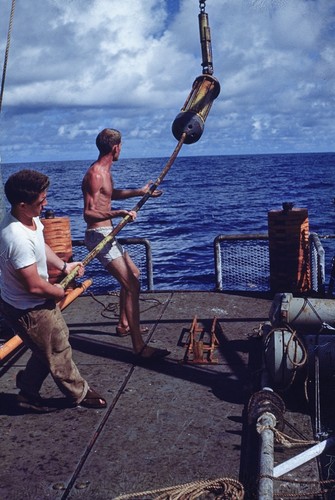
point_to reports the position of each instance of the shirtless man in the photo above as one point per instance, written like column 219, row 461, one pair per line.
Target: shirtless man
column 98, row 191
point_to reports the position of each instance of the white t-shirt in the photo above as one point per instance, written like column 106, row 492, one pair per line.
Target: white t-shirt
column 20, row 247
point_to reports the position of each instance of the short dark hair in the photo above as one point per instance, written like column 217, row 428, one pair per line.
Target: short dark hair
column 25, row 186
column 106, row 139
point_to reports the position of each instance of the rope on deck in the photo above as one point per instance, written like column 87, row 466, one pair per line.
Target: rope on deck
column 223, row 488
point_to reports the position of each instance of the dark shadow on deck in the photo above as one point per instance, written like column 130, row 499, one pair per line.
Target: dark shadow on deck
column 223, row 385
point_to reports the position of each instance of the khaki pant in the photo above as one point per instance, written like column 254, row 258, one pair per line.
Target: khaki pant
column 44, row 331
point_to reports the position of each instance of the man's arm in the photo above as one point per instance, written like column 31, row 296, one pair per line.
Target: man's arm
column 56, row 262
column 36, row 285
column 122, row 194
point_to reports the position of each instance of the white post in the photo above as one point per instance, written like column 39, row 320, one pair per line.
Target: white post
column 303, row 457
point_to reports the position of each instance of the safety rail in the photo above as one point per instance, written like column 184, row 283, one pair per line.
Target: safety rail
column 242, row 263
column 140, row 251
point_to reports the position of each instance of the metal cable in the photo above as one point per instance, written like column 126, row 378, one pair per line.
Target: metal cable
column 7, row 52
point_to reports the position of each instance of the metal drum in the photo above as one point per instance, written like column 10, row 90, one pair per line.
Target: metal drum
column 308, row 315
column 284, row 355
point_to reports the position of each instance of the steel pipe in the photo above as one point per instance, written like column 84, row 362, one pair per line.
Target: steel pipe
column 265, row 425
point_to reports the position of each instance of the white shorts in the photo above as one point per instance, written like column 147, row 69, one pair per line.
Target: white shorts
column 111, row 251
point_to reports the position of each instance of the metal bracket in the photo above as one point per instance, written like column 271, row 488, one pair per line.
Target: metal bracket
column 198, row 351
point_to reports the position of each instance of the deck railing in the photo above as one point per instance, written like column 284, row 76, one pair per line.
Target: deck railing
column 242, row 262
column 140, row 251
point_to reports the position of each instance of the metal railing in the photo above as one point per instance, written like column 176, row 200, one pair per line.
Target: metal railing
column 242, row 263
column 103, row 282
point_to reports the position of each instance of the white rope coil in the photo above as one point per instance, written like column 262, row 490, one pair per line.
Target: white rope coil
column 223, row 488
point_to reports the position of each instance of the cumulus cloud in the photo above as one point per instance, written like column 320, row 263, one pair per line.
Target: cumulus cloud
column 77, row 66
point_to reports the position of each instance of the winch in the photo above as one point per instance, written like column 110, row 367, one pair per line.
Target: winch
column 284, row 355
column 300, row 333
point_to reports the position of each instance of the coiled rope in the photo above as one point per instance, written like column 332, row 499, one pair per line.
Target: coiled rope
column 223, row 489
column 4, row 71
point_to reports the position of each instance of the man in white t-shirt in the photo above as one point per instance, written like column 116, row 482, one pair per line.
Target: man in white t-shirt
column 29, row 302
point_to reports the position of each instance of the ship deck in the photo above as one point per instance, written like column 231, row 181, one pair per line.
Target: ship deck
column 166, row 424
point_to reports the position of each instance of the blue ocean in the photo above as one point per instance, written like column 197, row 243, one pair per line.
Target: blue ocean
column 203, row 197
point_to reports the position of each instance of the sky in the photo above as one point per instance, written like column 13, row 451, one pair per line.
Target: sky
column 78, row 66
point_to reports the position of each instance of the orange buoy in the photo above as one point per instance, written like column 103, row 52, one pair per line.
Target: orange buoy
column 289, row 249
column 57, row 234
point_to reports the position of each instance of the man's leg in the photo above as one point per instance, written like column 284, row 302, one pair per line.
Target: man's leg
column 49, row 338
column 30, row 380
column 123, row 324
column 123, row 319
column 122, row 269
column 59, row 355
column 45, row 332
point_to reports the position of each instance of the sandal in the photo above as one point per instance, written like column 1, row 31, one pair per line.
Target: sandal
column 93, row 400
column 122, row 331
column 156, row 355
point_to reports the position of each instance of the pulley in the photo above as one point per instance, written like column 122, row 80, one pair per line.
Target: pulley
column 192, row 117
column 266, row 401
column 205, row 89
